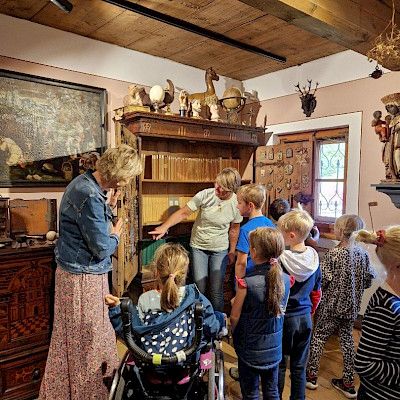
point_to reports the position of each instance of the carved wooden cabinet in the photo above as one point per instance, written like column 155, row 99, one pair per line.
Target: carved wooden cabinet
column 181, row 156
column 26, row 292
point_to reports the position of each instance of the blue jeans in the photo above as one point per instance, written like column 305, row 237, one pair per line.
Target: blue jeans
column 295, row 343
column 208, row 271
column 250, row 380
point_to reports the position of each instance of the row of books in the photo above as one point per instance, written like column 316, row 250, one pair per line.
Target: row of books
column 150, row 246
column 157, row 208
column 173, row 168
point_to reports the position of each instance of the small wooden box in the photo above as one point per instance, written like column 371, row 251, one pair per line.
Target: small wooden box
column 33, row 217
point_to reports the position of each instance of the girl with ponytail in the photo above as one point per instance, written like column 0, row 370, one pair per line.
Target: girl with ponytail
column 257, row 316
column 346, row 273
column 378, row 356
column 165, row 307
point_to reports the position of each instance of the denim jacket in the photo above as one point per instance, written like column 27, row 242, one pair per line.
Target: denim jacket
column 85, row 244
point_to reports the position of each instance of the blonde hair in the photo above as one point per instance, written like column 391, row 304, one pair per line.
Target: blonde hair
column 253, row 193
column 229, row 179
column 387, row 242
column 269, row 244
column 171, row 261
column 298, row 221
column 347, row 224
column 119, row 163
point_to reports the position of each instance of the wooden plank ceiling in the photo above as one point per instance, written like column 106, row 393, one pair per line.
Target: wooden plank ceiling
column 301, row 31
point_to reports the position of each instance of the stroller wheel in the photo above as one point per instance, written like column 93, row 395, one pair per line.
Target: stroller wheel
column 212, row 389
column 219, row 373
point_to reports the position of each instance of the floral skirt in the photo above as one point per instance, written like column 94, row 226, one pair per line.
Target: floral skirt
column 83, row 352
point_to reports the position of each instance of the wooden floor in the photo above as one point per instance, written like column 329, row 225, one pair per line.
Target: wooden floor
column 331, row 367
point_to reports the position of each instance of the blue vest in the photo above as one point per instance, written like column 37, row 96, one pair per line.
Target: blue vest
column 258, row 334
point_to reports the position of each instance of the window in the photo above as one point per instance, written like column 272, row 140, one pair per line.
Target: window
column 328, row 170
column 330, row 179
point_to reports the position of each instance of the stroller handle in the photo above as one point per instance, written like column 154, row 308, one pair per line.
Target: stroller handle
column 146, row 358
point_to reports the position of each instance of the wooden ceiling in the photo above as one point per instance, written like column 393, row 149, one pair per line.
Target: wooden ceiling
column 300, row 30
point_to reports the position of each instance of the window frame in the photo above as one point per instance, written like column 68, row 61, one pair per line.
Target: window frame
column 325, row 225
column 318, row 141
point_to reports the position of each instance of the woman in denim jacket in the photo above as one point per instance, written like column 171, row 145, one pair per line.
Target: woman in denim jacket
column 82, row 350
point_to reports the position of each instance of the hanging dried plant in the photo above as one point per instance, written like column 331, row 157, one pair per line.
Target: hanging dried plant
column 386, row 50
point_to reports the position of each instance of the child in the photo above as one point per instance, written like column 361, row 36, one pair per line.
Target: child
column 251, row 199
column 257, row 316
column 160, row 308
column 346, row 273
column 278, row 208
column 302, row 264
column 378, row 356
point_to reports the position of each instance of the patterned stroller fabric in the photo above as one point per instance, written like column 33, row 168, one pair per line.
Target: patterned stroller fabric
column 176, row 336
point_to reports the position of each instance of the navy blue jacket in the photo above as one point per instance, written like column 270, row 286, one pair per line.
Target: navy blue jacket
column 258, row 335
column 300, row 299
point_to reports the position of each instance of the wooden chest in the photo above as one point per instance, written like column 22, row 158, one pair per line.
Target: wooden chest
column 26, row 293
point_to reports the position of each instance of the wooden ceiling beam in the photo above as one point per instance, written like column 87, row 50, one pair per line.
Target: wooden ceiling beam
column 352, row 24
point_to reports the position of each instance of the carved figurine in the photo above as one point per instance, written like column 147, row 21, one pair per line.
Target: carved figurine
column 168, row 97
column 208, row 97
column 381, row 127
column 137, row 96
column 214, row 112
column 183, row 103
column 196, row 108
column 388, row 131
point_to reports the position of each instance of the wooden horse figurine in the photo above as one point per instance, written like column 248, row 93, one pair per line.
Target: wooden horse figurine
column 208, row 97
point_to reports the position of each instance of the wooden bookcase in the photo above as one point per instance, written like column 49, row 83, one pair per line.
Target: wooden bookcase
column 181, row 156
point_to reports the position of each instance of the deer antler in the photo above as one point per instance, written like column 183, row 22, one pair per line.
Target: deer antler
column 298, row 89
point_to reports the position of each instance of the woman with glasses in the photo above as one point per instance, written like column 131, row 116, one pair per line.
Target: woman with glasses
column 214, row 233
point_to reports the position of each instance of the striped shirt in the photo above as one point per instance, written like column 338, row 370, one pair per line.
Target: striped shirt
column 378, row 355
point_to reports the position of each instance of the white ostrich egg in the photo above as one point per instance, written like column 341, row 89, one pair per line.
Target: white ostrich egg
column 156, row 94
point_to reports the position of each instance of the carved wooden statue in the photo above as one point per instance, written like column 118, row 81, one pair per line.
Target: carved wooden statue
column 388, row 131
column 208, row 97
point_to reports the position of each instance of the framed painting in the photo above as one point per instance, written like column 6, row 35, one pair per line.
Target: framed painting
column 50, row 131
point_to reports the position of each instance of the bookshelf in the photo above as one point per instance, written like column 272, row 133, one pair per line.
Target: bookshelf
column 181, row 156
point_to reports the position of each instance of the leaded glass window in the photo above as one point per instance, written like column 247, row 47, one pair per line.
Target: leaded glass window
column 330, row 178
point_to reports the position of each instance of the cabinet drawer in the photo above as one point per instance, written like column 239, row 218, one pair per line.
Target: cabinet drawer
column 20, row 377
column 26, row 291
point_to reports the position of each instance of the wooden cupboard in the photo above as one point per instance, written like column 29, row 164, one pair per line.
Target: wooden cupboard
column 181, row 156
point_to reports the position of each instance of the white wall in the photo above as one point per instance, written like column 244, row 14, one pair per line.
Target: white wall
column 25, row 40
column 335, row 69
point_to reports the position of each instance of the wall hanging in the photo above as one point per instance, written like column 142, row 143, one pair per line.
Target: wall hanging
column 50, row 131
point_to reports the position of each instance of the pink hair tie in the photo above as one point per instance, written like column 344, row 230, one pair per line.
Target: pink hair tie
column 241, row 282
column 172, row 276
column 273, row 261
column 380, row 238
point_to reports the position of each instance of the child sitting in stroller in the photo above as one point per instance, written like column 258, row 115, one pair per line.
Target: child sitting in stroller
column 159, row 319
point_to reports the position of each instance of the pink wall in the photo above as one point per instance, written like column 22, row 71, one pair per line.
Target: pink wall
column 362, row 95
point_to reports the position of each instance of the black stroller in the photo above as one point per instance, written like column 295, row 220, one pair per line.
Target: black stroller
column 196, row 372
